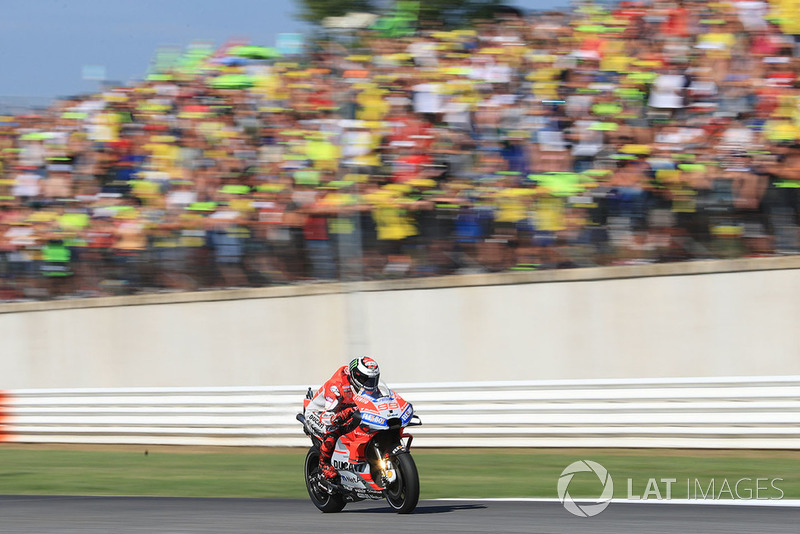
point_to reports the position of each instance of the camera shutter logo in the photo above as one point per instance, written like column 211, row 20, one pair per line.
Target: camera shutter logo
column 585, row 510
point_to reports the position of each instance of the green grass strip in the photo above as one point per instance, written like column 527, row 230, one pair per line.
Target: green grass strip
column 467, row 473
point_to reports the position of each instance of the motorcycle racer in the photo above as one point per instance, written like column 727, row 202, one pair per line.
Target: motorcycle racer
column 332, row 412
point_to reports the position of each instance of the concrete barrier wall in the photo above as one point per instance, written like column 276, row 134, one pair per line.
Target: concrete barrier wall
column 736, row 318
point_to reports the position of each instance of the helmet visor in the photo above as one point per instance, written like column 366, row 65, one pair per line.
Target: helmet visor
column 364, row 382
column 371, row 383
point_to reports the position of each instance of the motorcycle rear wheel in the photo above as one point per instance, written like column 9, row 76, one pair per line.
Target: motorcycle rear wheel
column 403, row 494
column 323, row 500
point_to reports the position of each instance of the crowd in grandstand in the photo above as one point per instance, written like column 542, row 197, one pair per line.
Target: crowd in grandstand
column 646, row 132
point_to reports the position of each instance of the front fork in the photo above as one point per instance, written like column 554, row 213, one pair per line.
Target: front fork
column 386, row 467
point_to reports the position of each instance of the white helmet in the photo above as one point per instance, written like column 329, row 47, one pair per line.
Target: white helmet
column 364, row 374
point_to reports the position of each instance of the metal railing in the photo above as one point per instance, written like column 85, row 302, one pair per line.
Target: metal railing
column 760, row 412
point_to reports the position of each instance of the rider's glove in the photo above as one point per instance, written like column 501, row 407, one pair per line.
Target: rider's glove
column 343, row 417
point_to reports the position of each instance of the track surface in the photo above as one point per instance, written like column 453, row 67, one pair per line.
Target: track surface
column 124, row 515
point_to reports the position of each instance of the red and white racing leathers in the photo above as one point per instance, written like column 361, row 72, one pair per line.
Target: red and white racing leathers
column 331, row 414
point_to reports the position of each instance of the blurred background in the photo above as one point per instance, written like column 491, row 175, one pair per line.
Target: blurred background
column 288, row 142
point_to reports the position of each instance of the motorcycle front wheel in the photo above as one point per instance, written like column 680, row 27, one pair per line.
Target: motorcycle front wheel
column 322, row 499
column 403, row 494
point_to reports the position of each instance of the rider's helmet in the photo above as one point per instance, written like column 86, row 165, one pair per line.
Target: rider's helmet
column 364, row 374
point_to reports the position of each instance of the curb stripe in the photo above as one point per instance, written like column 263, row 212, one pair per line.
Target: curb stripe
column 780, row 503
column 5, row 416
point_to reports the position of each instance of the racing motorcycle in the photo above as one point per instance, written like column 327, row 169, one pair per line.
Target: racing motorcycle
column 372, row 460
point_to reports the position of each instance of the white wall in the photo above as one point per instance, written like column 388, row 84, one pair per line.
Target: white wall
column 735, row 318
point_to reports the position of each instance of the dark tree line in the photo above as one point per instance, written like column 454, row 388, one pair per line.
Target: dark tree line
column 450, row 13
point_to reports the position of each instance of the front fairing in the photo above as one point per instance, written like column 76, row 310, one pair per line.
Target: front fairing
column 383, row 414
column 382, row 409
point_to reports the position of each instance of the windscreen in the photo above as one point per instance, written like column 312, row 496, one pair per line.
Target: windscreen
column 379, row 392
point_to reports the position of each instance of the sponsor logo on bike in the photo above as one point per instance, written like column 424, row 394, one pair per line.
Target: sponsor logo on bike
column 340, row 465
column 372, row 418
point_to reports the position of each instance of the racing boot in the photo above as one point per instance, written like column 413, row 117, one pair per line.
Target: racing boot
column 328, row 472
column 325, row 453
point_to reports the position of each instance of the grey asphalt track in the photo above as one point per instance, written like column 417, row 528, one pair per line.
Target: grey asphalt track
column 124, row 515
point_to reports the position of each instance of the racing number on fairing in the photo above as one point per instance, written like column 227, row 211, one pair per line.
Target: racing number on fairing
column 388, row 406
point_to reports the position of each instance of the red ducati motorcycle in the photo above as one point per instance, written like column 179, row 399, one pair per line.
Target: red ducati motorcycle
column 372, row 460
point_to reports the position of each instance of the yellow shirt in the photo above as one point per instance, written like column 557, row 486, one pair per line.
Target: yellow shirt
column 392, row 222
column 549, row 215
column 163, row 154
column 510, row 205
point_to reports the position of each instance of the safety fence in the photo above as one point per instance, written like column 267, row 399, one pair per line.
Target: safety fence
column 754, row 412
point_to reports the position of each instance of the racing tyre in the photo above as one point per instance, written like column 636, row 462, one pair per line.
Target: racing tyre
column 322, row 499
column 403, row 494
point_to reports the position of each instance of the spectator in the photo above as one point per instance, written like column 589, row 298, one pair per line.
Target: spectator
column 657, row 132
